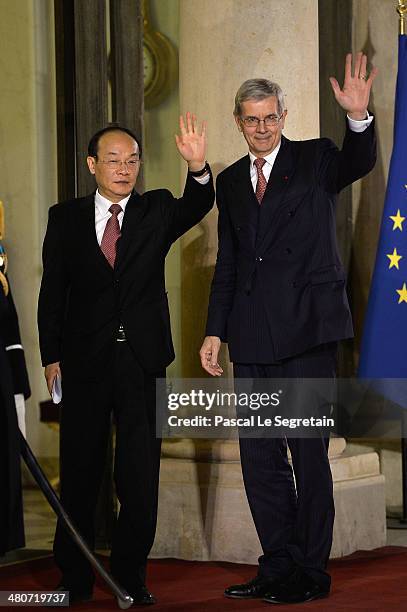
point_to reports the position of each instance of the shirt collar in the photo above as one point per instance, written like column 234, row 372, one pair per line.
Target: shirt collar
column 270, row 158
column 103, row 204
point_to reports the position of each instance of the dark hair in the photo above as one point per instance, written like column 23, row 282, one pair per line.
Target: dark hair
column 94, row 141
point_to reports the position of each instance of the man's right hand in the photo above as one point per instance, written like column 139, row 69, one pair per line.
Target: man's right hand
column 50, row 372
column 209, row 355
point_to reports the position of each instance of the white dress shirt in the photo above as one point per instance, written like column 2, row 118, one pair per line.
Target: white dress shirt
column 267, row 168
column 102, row 214
column 355, row 126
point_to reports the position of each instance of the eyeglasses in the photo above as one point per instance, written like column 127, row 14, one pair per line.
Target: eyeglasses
column 116, row 164
column 269, row 121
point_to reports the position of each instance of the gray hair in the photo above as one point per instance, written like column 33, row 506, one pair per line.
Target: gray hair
column 258, row 89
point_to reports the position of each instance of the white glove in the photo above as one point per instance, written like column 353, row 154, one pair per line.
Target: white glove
column 20, row 409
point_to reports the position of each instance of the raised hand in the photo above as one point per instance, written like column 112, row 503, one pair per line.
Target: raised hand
column 191, row 142
column 355, row 93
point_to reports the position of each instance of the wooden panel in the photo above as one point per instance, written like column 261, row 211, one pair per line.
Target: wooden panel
column 91, row 101
column 126, row 21
column 335, row 40
column 65, row 97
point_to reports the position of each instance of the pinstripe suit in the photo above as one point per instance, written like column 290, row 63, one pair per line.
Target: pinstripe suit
column 278, row 299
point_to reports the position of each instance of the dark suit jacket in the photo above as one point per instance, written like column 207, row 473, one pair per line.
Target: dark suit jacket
column 83, row 300
column 279, row 284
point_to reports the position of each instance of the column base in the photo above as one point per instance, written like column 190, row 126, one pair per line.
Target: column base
column 204, row 515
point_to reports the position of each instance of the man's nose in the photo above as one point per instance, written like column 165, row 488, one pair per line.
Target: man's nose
column 261, row 126
column 123, row 168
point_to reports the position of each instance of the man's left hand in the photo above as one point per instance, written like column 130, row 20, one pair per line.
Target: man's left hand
column 191, row 142
column 354, row 96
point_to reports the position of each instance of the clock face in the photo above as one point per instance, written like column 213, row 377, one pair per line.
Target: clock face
column 160, row 66
column 149, row 66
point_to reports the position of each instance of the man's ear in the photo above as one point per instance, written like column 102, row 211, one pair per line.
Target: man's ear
column 91, row 161
column 283, row 119
column 238, row 123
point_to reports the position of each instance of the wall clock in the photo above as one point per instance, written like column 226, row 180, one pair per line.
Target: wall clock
column 160, row 62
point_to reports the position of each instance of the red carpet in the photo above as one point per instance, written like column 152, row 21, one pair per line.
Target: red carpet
column 370, row 581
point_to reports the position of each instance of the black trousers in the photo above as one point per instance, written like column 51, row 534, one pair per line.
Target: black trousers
column 128, row 393
column 294, row 521
column 11, row 505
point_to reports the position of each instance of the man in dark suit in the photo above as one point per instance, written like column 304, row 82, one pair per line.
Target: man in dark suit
column 104, row 328
column 278, row 299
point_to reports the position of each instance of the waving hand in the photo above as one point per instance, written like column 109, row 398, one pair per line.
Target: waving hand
column 355, row 93
column 191, row 142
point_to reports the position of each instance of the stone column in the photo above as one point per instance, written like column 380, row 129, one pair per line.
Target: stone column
column 221, row 45
column 204, row 515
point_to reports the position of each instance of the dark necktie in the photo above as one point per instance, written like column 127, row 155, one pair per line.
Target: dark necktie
column 111, row 234
column 261, row 179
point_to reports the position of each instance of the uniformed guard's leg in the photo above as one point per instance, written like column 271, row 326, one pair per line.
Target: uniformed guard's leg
column 11, row 507
column 84, row 430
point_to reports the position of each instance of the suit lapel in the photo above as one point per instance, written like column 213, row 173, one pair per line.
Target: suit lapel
column 131, row 219
column 242, row 182
column 245, row 205
column 277, row 185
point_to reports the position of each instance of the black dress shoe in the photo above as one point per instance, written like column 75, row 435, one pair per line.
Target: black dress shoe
column 298, row 588
column 76, row 594
column 142, row 597
column 254, row 589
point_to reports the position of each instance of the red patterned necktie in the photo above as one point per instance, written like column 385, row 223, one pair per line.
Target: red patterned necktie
column 111, row 234
column 261, row 179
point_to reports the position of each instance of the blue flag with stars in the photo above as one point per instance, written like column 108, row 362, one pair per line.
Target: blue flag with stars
column 384, row 346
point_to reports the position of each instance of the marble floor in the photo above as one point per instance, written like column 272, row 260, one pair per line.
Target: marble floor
column 40, row 522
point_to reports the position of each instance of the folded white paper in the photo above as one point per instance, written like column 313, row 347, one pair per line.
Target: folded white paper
column 56, row 390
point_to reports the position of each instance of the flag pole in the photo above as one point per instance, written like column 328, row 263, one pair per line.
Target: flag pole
column 402, row 11
column 401, row 523
column 403, row 520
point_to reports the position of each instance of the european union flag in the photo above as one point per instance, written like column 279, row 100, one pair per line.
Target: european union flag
column 384, row 345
